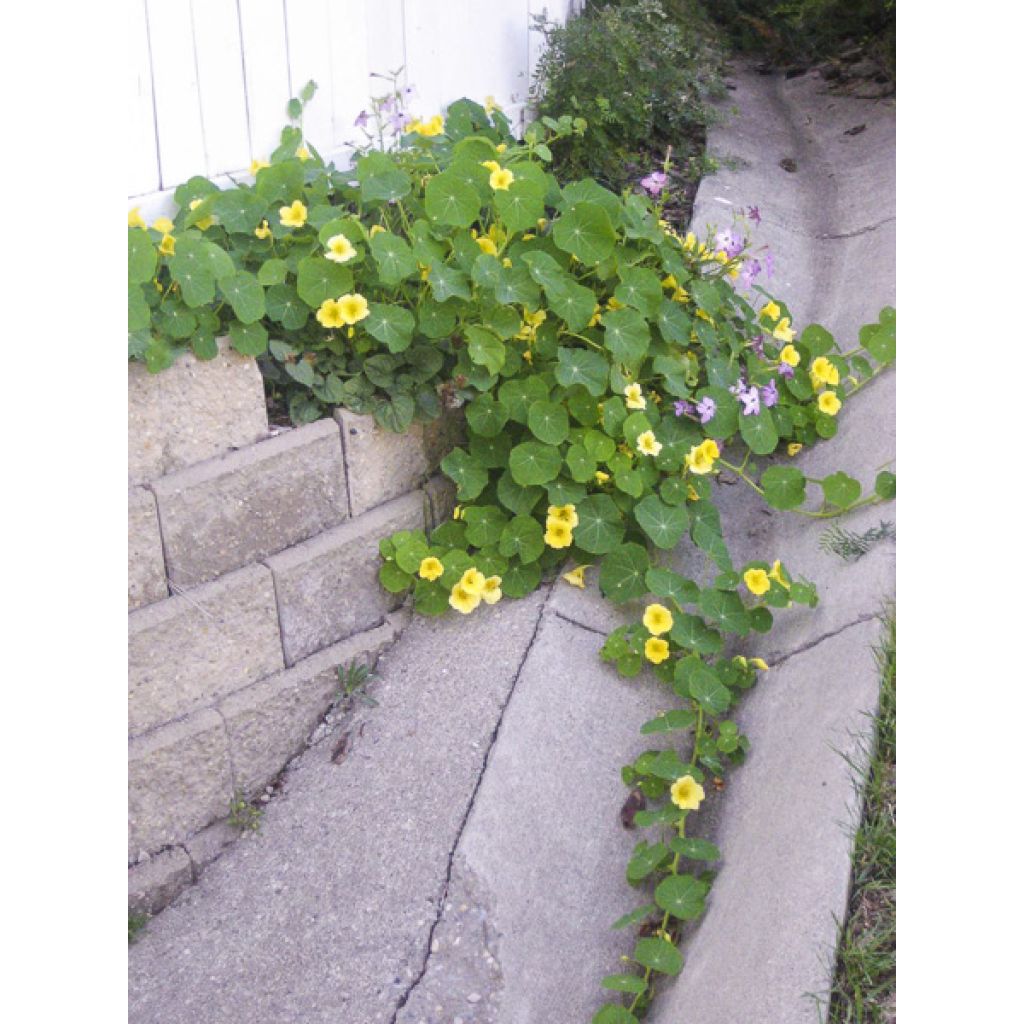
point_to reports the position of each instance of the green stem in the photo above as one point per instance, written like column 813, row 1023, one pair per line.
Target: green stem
column 586, row 341
column 738, row 470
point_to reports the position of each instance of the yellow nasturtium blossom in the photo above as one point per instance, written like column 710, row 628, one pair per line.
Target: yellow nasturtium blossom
column 691, row 493
column 794, row 448
column 487, row 246
column 501, row 179
column 166, row 246
column 134, row 219
column 490, row 105
column 492, row 590
column 757, row 581
column 506, row 263
column 463, row 600
column 601, row 476
column 771, row 311
column 473, row 580
column 687, row 793
column 613, row 303
column 431, row 568
column 302, row 153
column 783, row 332
column 491, row 165
column 340, row 249
column 828, row 403
column 294, row 216
column 669, row 282
column 777, row 574
column 759, row 663
column 501, row 147
column 700, row 459
column 691, row 241
column 353, row 308
column 426, row 128
column 635, row 397
column 647, row 443
column 823, row 372
column 656, row 650
column 564, row 514
column 329, row 314
column 206, row 221
column 376, row 230
column 558, row 534
column 657, row 619
column 790, row 356
column 256, row 166
column 574, row 577
column 682, row 295
column 263, row 231
column 164, row 225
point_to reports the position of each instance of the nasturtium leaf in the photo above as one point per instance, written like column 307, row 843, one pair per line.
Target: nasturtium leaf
column 518, row 500
column 885, row 485
column 613, row 1013
column 645, row 859
column 138, row 309
column 641, row 288
column 816, row 340
column 586, row 231
column 666, row 583
column 249, row 339
column 673, row 322
column 658, row 954
column 599, row 444
column 826, row 426
column 760, row 432
column 572, row 302
column 520, row 205
column 582, row 465
column 661, row 816
column 682, row 896
column 491, row 452
column 703, row 685
column 514, row 285
column 626, row 335
column 285, row 307
column 435, row 320
column 664, row 524
column 623, row 571
column 272, row 271
column 393, row 579
column 485, row 348
column 319, row 279
column 245, row 296
column 485, row 416
column 600, row 527
column 582, row 366
column 240, row 211
column 678, row 720
column 394, row 258
column 392, row 325
column 667, row 765
column 450, row 200
column 522, row 537
column 534, row 463
column 430, row 598
column 632, row 983
column 695, row 849
column 484, row 525
column 724, row 609
column 548, row 422
column 204, row 345
column 174, row 320
column 447, row 282
column 880, row 340
column 410, row 551
column 518, row 395
column 469, row 476
column 785, row 487
column 141, row 257
column 381, row 179
column 706, row 532
column 804, row 593
column 706, row 296
column 761, row 619
column 520, row 580
column 691, row 631
column 840, row 489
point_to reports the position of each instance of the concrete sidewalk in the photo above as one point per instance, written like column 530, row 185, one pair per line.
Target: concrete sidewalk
column 464, row 861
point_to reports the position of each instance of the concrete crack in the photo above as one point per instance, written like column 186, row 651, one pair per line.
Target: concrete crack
column 581, row 625
column 414, row 983
column 859, row 231
column 867, row 617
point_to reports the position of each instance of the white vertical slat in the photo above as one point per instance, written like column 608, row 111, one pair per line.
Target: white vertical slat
column 309, row 57
column 426, row 50
column 350, row 73
column 144, row 169
column 221, row 85
column 385, row 39
column 176, row 90
column 266, row 72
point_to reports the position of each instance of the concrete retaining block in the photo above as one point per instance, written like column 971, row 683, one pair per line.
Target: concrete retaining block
column 147, row 581
column 192, row 411
column 238, row 508
column 440, row 492
column 270, row 721
column 190, row 649
column 327, row 587
column 179, row 779
column 153, row 883
column 208, row 844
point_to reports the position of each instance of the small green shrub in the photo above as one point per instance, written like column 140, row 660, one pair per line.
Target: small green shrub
column 244, row 815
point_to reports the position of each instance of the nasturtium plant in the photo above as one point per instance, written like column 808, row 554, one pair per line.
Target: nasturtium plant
column 611, row 370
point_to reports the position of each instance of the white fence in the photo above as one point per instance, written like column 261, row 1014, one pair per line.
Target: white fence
column 211, row 78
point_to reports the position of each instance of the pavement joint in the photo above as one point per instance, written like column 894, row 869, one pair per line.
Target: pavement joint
column 866, row 617
column 581, row 625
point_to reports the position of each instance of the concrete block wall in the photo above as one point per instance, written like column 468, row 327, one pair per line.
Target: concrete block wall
column 252, row 575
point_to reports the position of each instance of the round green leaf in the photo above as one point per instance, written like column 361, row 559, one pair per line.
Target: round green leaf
column 760, row 432
column 623, row 572
column 695, row 849
column 381, row 179
column 141, row 256
column 666, row 583
column 450, row 200
column 659, row 955
column 520, row 580
column 249, row 339
column 485, row 416
column 320, row 279
column 518, row 500
column 392, row 325
column 469, row 476
column 582, row 366
column 585, row 231
column 522, row 537
column 664, row 524
column 485, row 348
column 691, row 631
column 626, row 335
column 724, row 609
column 885, row 485
column 548, row 422
column 484, row 525
column 600, row 528
column 784, row 487
column 534, row 463
column 682, row 896
column 840, row 489
column 286, row 308
column 395, row 261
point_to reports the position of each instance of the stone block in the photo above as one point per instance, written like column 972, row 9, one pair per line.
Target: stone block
column 192, row 411
column 440, row 493
column 209, row 843
column 269, row 722
column 179, row 779
column 190, row 649
column 238, row 508
column 154, row 882
column 382, row 465
column 327, row 587
column 147, row 581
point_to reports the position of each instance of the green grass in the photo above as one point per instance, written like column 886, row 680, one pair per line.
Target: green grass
column 136, row 922
column 864, row 986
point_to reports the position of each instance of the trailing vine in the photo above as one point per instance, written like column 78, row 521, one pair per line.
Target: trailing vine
column 610, row 369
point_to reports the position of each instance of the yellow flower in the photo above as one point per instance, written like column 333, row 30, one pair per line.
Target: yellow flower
column 164, row 225
column 431, row 568
column 432, row 127
column 492, row 590
column 501, row 179
column 757, row 581
column 134, row 220
column 669, row 282
column 564, row 514
column 682, row 295
column 473, row 580
column 491, row 165
column 687, row 793
column 457, row 512
column 705, row 316
column 772, row 312
column 828, row 403
column 823, row 372
column 256, row 166
column 740, row 660
column 528, row 356
column 790, row 356
column 721, row 257
column 596, row 318
column 376, row 230
column 794, row 448
column 206, row 221
column 462, row 600
column 329, row 314
column 542, row 223
column 166, row 245
column 558, row 534
column 574, row 577
column 657, row 619
column 648, row 444
column 783, row 332
column 339, row 249
column 302, row 153
column 601, row 477
column 501, row 147
column 490, row 105
column 294, row 216
column 487, row 246
column 759, row 663
column 691, row 241
column 635, row 397
column 691, row 493
column 353, row 308
column 701, row 457
column 655, row 650
column 777, row 574
column 263, row 231
column 613, row 303
column 506, row 263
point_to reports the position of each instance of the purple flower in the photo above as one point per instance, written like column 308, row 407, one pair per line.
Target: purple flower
column 770, row 394
column 785, row 370
column 706, row 408
column 386, row 104
column 654, row 183
column 769, row 264
column 751, row 401
column 751, row 268
column 362, row 120
column 398, row 121
column 754, row 214
column 730, row 242
column 757, row 344
column 684, row 408
column 738, row 387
